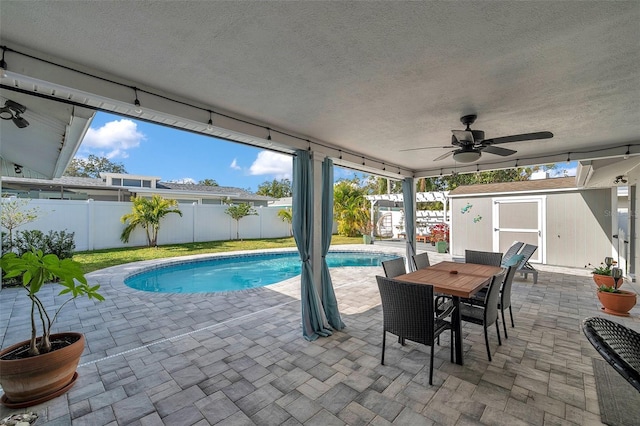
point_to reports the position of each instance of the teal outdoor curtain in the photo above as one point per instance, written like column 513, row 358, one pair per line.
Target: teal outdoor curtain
column 329, row 301
column 409, row 197
column 314, row 322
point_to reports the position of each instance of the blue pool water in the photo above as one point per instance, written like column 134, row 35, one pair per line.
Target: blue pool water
column 238, row 273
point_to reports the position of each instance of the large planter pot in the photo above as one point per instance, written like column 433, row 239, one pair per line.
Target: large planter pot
column 605, row 280
column 617, row 303
column 33, row 380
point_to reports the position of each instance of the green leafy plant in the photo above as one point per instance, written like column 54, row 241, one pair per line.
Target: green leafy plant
column 601, row 270
column 36, row 269
column 237, row 212
column 609, row 289
column 147, row 214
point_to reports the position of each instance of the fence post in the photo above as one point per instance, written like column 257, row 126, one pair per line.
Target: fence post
column 90, row 220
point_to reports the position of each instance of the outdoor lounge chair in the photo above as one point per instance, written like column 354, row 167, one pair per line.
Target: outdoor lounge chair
column 394, row 267
column 618, row 345
column 525, row 267
column 408, row 311
column 512, row 251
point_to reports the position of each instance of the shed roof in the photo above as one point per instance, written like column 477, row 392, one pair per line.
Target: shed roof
column 519, row 186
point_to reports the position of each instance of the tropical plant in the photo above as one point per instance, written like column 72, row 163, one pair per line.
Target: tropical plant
column 286, row 215
column 14, row 215
column 237, row 212
column 208, row 182
column 36, row 269
column 147, row 214
column 604, row 268
column 350, row 208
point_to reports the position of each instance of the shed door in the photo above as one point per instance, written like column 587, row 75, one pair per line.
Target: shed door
column 519, row 219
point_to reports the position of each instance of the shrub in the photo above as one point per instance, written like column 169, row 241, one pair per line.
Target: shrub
column 60, row 243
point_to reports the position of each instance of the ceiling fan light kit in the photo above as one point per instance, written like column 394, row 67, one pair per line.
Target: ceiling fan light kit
column 466, row 156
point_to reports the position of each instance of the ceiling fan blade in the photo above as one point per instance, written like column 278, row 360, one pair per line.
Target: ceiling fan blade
column 463, row 135
column 498, row 151
column 443, row 156
column 518, row 138
column 424, row 147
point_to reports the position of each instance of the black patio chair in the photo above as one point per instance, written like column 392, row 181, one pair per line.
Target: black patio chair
column 482, row 257
column 409, row 312
column 487, row 313
column 617, row 344
column 421, row 261
column 394, row 267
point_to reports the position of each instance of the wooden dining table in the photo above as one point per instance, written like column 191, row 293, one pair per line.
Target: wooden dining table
column 459, row 280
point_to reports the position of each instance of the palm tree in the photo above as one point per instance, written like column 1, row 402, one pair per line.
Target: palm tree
column 147, row 214
column 287, row 216
column 237, row 212
column 350, row 209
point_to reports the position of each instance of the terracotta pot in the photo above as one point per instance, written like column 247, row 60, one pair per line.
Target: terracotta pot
column 617, row 303
column 33, row 380
column 605, row 280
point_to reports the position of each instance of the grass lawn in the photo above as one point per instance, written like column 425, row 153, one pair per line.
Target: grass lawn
column 99, row 259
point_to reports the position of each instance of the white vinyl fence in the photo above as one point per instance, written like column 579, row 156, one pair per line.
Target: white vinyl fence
column 97, row 224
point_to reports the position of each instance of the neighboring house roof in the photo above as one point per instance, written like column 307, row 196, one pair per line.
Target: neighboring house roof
column 97, row 183
column 564, row 183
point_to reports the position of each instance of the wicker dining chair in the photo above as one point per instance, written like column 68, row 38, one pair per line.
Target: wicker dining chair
column 408, row 311
column 421, row 261
column 394, row 267
column 483, row 257
column 617, row 344
column 486, row 314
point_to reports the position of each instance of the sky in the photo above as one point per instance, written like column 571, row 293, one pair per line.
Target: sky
column 178, row 156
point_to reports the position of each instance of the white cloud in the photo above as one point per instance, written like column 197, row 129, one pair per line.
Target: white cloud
column 272, row 163
column 234, row 164
column 113, row 139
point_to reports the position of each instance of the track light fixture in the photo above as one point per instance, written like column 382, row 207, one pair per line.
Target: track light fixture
column 619, row 179
column 268, row 134
column 568, row 157
column 12, row 111
column 626, row 154
column 137, row 101
column 17, row 168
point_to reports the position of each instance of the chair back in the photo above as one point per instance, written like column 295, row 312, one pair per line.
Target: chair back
column 421, row 261
column 394, row 267
column 491, row 299
column 482, row 257
column 505, row 294
column 527, row 252
column 512, row 251
column 408, row 309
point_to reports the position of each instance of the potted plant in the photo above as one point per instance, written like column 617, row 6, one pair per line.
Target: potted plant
column 602, row 274
column 616, row 301
column 43, row 367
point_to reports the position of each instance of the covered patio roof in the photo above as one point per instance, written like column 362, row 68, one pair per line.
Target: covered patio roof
column 360, row 82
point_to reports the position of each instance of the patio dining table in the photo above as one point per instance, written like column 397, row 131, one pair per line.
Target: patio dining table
column 456, row 280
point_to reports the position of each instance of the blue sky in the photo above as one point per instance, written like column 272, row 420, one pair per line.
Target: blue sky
column 149, row 149
column 153, row 150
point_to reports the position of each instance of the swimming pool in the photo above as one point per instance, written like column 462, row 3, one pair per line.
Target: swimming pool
column 238, row 272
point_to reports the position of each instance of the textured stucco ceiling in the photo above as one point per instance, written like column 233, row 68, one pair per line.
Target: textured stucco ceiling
column 370, row 77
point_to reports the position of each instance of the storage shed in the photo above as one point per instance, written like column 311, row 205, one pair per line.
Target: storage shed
column 571, row 226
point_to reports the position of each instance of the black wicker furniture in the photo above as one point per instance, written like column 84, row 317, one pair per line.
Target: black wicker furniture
column 617, row 344
column 482, row 257
column 394, row 267
column 421, row 260
column 525, row 267
column 409, row 312
column 511, row 251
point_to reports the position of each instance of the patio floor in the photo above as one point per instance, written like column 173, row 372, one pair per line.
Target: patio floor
column 240, row 359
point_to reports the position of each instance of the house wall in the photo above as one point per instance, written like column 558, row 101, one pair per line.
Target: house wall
column 97, row 224
column 578, row 225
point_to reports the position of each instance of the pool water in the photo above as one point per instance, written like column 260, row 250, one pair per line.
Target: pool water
column 239, row 272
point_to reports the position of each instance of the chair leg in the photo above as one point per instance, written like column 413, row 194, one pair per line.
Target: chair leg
column 453, row 342
column 384, row 336
column 401, row 340
column 511, row 314
column 504, row 324
column 498, row 331
column 431, row 366
column 486, row 341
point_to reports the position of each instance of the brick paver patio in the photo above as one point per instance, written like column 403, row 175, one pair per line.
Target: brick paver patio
column 240, row 359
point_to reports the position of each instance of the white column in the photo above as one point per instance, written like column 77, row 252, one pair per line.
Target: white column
column 316, row 244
